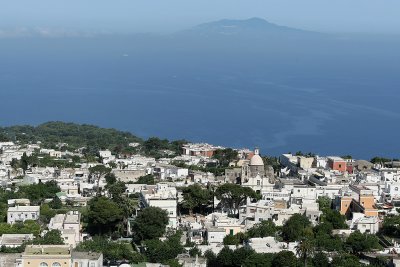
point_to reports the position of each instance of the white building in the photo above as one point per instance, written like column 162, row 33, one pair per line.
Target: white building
column 14, row 240
column 365, row 224
column 69, row 225
column 215, row 235
column 270, row 245
column 163, row 196
column 22, row 213
column 168, row 171
column 86, row 259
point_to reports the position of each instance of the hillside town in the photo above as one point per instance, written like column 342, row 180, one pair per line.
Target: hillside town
column 205, row 206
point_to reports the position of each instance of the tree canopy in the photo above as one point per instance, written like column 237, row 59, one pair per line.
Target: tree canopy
column 194, row 196
column 359, row 242
column 391, row 226
column 232, row 196
column 225, row 156
column 52, row 237
column 75, row 135
column 103, row 215
column 40, row 191
column 294, row 227
column 147, row 179
column 162, row 251
column 262, row 229
column 150, row 223
column 111, row 250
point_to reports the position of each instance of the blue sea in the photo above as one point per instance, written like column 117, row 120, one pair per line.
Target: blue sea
column 330, row 97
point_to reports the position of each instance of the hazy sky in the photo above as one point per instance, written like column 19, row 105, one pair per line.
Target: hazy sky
column 375, row 16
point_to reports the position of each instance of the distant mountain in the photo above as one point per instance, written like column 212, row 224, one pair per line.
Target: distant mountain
column 252, row 26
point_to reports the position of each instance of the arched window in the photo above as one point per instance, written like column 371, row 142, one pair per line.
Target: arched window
column 56, row 264
column 43, row 264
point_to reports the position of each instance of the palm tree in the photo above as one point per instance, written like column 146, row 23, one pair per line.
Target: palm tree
column 305, row 249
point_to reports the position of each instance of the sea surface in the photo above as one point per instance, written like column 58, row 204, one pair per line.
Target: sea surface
column 332, row 98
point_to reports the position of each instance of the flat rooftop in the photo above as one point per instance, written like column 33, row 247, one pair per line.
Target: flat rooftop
column 47, row 250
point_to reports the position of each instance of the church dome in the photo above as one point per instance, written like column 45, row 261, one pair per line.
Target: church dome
column 256, row 160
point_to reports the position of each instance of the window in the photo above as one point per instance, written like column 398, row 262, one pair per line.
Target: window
column 56, row 264
column 92, row 264
column 43, row 264
column 258, row 182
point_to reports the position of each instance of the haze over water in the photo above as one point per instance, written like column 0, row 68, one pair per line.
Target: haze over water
column 286, row 91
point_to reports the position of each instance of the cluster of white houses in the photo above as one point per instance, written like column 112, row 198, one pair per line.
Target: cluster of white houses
column 362, row 191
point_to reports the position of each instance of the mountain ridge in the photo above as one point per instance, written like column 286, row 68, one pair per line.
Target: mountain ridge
column 253, row 25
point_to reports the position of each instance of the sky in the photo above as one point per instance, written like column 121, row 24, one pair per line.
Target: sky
column 366, row 16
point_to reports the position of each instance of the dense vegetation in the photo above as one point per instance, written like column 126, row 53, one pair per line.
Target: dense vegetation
column 112, row 250
column 51, row 134
column 93, row 138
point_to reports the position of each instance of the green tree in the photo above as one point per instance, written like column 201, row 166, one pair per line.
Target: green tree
column 173, row 263
column 111, row 250
column 293, row 229
column 194, row 251
column 391, row 226
column 38, row 192
column 225, row 257
column 103, row 215
column 232, row 196
column 262, row 229
column 334, row 217
column 194, row 196
column 345, row 260
column 320, row 260
column 116, row 190
column 147, row 179
column 211, row 258
column 305, row 249
column 4, row 138
column 259, row 260
column 52, row 237
column 324, row 203
column 28, row 227
column 56, row 203
column 15, row 164
column 284, row 259
column 325, row 240
column 110, row 178
column 162, row 251
column 24, row 162
column 359, row 242
column 231, row 240
column 46, row 213
column 225, row 156
column 150, row 223
column 241, row 254
column 97, row 172
column 380, row 160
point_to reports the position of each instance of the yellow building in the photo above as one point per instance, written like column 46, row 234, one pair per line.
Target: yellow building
column 45, row 256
